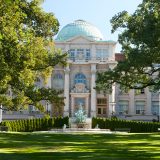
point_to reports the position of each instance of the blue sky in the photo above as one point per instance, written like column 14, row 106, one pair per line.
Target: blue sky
column 97, row 12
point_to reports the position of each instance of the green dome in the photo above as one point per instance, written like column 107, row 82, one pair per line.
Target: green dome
column 79, row 28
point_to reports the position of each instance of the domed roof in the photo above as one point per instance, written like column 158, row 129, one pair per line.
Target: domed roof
column 79, row 28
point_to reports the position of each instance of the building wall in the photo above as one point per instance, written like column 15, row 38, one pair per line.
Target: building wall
column 114, row 102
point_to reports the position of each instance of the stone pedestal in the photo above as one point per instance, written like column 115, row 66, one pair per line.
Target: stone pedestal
column 87, row 124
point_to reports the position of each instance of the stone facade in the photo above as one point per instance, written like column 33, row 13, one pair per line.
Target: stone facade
column 86, row 57
column 87, row 54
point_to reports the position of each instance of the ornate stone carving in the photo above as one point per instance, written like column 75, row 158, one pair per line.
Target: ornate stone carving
column 79, row 88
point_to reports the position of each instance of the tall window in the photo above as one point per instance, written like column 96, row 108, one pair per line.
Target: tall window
column 79, row 54
column 88, row 54
column 140, row 107
column 80, row 78
column 72, row 54
column 102, row 53
column 155, row 107
column 101, row 107
column 123, row 107
column 57, row 81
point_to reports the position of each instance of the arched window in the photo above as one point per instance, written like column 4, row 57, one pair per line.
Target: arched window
column 80, row 78
column 57, row 81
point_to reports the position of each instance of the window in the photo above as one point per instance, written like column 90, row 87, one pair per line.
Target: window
column 57, row 81
column 80, row 54
column 101, row 101
column 98, row 53
column 101, row 106
column 123, row 107
column 155, row 107
column 139, row 91
column 80, row 78
column 102, row 53
column 88, row 54
column 72, row 54
column 140, row 107
column 102, row 110
column 80, row 102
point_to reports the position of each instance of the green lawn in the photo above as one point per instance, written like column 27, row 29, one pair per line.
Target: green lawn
column 51, row 146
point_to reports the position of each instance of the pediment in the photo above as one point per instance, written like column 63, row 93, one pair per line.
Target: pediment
column 80, row 39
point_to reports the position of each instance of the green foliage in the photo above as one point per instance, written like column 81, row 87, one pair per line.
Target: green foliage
column 140, row 45
column 27, row 52
column 135, row 126
column 30, row 125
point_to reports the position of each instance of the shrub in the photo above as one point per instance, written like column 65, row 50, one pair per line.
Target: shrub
column 106, row 123
column 29, row 125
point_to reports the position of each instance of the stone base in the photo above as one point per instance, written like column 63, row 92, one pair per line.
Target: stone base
column 87, row 124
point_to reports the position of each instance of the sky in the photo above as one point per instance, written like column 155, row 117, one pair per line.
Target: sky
column 97, row 12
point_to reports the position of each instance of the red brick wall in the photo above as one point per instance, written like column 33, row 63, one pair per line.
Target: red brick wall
column 119, row 57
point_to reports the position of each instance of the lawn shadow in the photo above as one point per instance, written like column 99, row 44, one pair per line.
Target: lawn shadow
column 31, row 146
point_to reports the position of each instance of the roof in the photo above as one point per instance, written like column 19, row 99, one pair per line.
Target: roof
column 79, row 28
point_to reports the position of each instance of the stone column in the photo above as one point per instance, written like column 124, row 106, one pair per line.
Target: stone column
column 87, row 106
column 93, row 52
column 109, row 109
column 113, row 102
column 131, row 102
column 66, row 91
column 72, row 106
column 48, row 85
column 93, row 91
column 149, row 102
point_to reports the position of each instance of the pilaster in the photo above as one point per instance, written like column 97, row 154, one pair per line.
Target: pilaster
column 149, row 102
column 93, row 51
column 87, row 109
column 72, row 106
column 66, row 91
column 48, row 85
column 93, row 91
column 131, row 102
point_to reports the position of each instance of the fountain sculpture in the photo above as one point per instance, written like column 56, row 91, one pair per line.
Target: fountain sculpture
column 80, row 117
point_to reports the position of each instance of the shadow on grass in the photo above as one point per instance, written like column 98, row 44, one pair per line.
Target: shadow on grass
column 31, row 146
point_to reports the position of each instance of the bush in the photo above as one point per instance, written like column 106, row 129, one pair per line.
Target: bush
column 105, row 123
column 29, row 125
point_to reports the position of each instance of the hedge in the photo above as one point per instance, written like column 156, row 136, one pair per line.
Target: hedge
column 135, row 126
column 40, row 124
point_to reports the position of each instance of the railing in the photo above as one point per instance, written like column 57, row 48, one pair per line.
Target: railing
column 87, row 59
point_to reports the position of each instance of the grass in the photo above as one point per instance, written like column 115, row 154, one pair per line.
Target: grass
column 84, row 146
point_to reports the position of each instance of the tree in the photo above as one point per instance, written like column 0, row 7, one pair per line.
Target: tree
column 27, row 52
column 140, row 40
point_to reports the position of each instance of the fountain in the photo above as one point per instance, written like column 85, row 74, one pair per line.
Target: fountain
column 80, row 117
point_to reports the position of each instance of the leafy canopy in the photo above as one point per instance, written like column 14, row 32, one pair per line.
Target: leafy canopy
column 140, row 40
column 27, row 52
